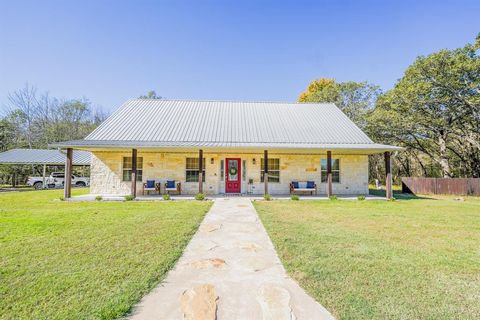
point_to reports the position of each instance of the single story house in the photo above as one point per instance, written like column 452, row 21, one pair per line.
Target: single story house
column 221, row 147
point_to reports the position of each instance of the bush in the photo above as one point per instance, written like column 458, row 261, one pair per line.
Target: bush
column 200, row 196
column 333, row 198
column 166, row 196
column 267, row 197
column 129, row 197
column 361, row 198
column 295, row 197
column 98, row 198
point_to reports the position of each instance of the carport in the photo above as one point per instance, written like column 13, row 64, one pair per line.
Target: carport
column 43, row 157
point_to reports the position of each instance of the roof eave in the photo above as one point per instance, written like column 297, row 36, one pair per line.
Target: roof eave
column 172, row 147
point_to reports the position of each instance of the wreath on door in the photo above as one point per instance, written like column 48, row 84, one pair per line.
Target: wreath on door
column 232, row 171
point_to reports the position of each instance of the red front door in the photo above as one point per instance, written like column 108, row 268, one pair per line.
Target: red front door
column 233, row 181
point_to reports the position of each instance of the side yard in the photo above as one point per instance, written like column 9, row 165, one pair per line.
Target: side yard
column 409, row 259
column 61, row 260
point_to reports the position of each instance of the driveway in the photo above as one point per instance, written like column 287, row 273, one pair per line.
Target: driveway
column 229, row 270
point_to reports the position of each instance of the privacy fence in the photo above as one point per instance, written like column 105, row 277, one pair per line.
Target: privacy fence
column 455, row 186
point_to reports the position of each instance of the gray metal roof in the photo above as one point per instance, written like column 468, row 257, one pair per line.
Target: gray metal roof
column 43, row 156
column 179, row 123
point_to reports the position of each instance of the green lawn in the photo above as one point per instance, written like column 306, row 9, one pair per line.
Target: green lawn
column 65, row 260
column 407, row 259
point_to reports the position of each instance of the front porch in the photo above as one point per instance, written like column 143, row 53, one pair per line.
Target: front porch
column 115, row 197
column 223, row 172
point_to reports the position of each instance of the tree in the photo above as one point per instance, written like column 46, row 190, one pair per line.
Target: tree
column 25, row 101
column 37, row 120
column 151, row 95
column 355, row 99
column 321, row 90
column 34, row 121
column 434, row 111
column 6, row 134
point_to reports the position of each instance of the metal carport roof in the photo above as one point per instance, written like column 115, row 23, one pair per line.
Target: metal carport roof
column 43, row 156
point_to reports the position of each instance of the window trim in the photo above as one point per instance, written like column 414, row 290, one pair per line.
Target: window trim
column 322, row 171
column 222, row 170
column 194, row 170
column 262, row 178
column 244, row 170
column 139, row 169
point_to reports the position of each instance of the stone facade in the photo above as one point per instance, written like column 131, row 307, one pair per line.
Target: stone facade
column 107, row 172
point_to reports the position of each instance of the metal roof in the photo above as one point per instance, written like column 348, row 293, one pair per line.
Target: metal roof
column 179, row 123
column 43, row 156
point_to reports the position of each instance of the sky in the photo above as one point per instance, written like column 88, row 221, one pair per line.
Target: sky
column 111, row 51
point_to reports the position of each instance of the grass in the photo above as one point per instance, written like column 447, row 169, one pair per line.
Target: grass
column 90, row 260
column 408, row 259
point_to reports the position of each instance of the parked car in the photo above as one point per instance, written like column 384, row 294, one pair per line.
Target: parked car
column 57, row 180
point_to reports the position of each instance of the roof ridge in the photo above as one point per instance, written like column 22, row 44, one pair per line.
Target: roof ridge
column 235, row 101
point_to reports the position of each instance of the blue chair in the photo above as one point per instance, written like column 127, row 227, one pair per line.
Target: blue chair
column 171, row 186
column 150, row 185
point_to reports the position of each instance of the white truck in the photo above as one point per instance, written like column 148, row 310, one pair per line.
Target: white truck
column 56, row 180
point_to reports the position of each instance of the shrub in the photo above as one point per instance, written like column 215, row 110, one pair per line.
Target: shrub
column 166, row 196
column 333, row 197
column 200, row 196
column 295, row 197
column 129, row 197
column 267, row 197
column 361, row 198
column 98, row 198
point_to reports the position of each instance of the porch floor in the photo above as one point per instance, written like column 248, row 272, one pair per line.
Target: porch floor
column 116, row 197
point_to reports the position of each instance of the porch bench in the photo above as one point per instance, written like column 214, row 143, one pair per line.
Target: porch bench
column 151, row 185
column 171, row 186
column 308, row 186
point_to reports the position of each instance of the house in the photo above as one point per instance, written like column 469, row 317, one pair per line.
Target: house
column 242, row 147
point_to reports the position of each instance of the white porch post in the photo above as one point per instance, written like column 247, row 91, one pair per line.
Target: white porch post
column 44, row 186
column 67, row 191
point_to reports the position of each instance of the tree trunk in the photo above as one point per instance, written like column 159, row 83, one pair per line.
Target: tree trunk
column 443, row 157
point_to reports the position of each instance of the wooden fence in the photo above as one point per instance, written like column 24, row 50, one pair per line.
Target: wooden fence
column 455, row 186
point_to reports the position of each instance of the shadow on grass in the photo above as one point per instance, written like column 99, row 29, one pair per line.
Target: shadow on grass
column 398, row 195
column 9, row 188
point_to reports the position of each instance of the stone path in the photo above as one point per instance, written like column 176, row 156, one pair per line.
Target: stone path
column 229, row 270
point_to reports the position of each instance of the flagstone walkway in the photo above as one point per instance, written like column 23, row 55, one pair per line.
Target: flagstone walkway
column 229, row 270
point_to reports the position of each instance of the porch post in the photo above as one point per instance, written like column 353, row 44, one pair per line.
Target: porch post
column 44, row 173
column 329, row 174
column 388, row 180
column 200, row 171
column 67, row 191
column 265, row 171
column 134, row 173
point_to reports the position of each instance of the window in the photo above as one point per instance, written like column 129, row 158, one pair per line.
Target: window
column 191, row 171
column 244, row 170
column 273, row 170
column 127, row 168
column 335, row 170
column 222, row 170
column 59, row 175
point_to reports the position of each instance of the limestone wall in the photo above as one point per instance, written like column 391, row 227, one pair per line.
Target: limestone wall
column 106, row 172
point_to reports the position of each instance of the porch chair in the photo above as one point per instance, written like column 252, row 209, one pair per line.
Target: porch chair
column 150, row 185
column 309, row 186
column 171, row 186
